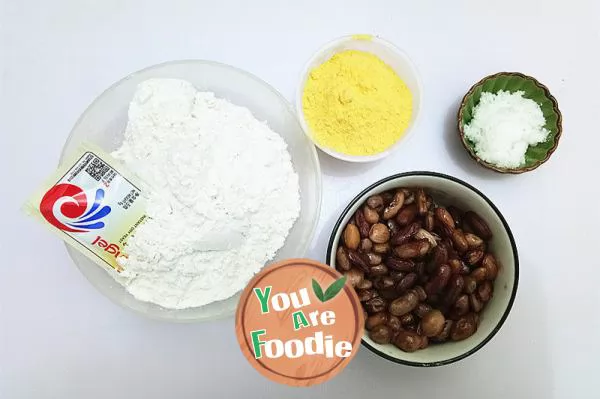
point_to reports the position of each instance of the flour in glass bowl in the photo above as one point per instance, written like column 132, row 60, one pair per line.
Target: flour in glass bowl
column 223, row 195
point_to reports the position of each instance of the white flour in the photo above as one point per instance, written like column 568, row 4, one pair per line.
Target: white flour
column 224, row 195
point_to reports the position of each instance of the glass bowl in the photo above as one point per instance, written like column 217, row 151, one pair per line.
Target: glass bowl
column 397, row 59
column 103, row 124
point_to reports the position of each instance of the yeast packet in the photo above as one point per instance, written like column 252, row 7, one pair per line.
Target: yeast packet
column 92, row 203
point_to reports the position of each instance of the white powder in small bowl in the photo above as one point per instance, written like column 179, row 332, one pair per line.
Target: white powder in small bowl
column 504, row 125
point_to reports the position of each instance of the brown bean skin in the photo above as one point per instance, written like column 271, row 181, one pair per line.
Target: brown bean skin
column 385, row 283
column 443, row 216
column 358, row 260
column 405, row 304
column 362, row 224
column 461, row 306
column 375, row 305
column 396, row 275
column 421, row 201
column 388, row 197
column 351, row 236
column 381, row 248
column 407, row 283
column 373, row 258
column 479, row 226
column 413, row 249
column 409, row 196
column 458, row 267
column 421, row 293
column 364, row 285
column 475, row 302
column 454, row 289
column 371, row 215
column 381, row 334
column 393, row 226
column 463, row 328
column 407, row 319
column 491, row 266
column 474, row 241
column 470, row 285
column 485, row 291
column 354, row 277
column 379, row 233
column 405, row 234
column 479, row 274
column 445, row 334
column 408, row 341
column 376, row 319
column 365, row 295
column 439, row 280
column 341, row 259
column 429, row 221
column 365, row 245
column 473, row 257
column 389, row 294
column 407, row 215
column 375, row 202
column 457, row 215
column 422, row 309
column 394, row 324
column 459, row 240
column 378, row 270
column 392, row 209
column 440, row 255
column 432, row 323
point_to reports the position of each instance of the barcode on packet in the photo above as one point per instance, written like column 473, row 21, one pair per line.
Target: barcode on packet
column 97, row 169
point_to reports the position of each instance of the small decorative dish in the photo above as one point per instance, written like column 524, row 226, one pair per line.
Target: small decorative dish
column 513, row 82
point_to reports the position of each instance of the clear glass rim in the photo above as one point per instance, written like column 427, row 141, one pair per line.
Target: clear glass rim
column 319, row 179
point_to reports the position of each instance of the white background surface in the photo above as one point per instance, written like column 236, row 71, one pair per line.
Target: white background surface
column 59, row 338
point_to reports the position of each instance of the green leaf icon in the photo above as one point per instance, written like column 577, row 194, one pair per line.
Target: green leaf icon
column 330, row 292
column 318, row 290
column 334, row 289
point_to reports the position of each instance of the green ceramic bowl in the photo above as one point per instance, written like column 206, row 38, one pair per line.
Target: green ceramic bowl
column 534, row 90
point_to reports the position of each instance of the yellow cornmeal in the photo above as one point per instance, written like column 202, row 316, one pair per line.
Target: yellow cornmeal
column 356, row 104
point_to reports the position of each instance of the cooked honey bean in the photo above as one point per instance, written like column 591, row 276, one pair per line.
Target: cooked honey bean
column 422, row 309
column 438, row 281
column 463, row 328
column 362, row 224
column 364, row 285
column 376, row 319
column 485, row 291
column 408, row 341
column 407, row 215
column 365, row 245
column 375, row 305
column 394, row 324
column 405, row 304
column 392, row 209
column 381, row 334
column 423, row 272
column 407, row 283
column 432, row 323
column 354, row 276
column 371, row 215
column 341, row 259
column 490, row 265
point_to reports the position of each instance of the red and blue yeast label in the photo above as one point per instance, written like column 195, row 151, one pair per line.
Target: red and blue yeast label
column 92, row 206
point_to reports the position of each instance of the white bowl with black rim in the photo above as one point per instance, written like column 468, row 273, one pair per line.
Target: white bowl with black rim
column 448, row 190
